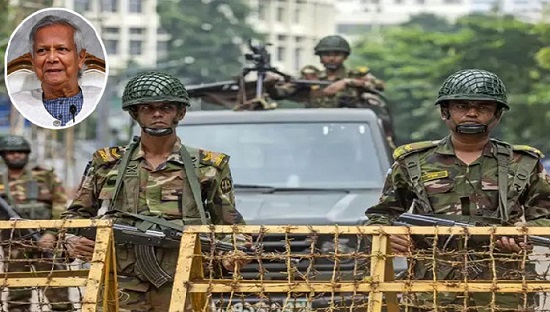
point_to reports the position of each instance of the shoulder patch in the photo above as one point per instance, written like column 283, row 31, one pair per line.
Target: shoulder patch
column 412, row 148
column 215, row 159
column 528, row 149
column 108, row 154
column 362, row 70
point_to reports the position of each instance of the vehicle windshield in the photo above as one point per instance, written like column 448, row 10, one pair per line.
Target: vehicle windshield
column 293, row 155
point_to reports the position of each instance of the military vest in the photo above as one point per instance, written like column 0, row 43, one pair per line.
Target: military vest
column 508, row 193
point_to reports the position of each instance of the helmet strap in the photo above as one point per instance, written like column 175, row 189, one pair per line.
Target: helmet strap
column 331, row 66
column 471, row 129
column 157, row 132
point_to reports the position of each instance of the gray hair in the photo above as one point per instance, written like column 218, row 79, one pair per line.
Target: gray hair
column 49, row 20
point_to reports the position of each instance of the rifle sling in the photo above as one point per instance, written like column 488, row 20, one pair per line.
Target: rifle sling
column 192, row 178
column 503, row 161
column 121, row 170
column 150, row 220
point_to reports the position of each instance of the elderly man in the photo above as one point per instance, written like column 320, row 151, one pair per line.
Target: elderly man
column 58, row 55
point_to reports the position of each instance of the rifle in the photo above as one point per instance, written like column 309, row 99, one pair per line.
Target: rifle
column 169, row 238
column 407, row 219
column 35, row 236
column 144, row 243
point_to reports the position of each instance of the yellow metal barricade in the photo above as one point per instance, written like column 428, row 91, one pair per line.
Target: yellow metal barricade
column 96, row 285
column 372, row 285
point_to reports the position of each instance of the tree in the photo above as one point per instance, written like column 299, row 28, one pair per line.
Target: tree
column 207, row 35
column 415, row 60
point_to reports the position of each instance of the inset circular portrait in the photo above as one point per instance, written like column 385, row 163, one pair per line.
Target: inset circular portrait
column 56, row 68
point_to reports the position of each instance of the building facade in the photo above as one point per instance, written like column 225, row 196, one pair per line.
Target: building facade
column 356, row 16
column 293, row 27
column 130, row 30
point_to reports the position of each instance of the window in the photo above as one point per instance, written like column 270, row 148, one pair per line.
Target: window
column 298, row 58
column 307, row 155
column 136, row 30
column 280, row 14
column 135, row 6
column 109, row 5
column 281, row 38
column 82, row 5
column 111, row 46
column 162, row 49
column 281, row 54
column 111, row 30
column 297, row 15
column 135, row 47
column 453, row 1
column 420, row 1
column 262, row 11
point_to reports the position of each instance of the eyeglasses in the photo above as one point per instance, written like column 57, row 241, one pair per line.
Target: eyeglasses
column 164, row 107
column 482, row 108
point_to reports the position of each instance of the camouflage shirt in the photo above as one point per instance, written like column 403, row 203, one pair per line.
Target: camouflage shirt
column 350, row 96
column 37, row 194
column 455, row 188
column 314, row 97
column 158, row 190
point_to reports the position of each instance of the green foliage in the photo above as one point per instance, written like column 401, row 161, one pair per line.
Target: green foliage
column 207, row 36
column 415, row 59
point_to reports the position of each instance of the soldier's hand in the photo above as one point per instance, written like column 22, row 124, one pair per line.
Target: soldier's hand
column 509, row 244
column 47, row 241
column 231, row 261
column 401, row 244
column 335, row 87
column 80, row 247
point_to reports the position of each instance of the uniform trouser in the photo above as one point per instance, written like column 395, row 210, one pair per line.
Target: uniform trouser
column 152, row 300
column 19, row 299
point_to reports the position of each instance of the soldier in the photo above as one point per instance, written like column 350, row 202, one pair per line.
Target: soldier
column 37, row 194
column 356, row 88
column 156, row 181
column 467, row 177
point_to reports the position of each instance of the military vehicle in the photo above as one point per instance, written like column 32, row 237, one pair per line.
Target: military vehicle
column 291, row 167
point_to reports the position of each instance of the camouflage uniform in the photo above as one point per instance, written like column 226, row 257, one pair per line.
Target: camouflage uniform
column 48, row 201
column 430, row 175
column 37, row 194
column 165, row 192
column 350, row 96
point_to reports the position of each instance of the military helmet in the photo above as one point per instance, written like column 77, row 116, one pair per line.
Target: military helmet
column 14, row 143
column 473, row 84
column 332, row 43
column 154, row 87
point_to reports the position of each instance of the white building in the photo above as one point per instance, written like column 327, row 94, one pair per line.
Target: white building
column 130, row 30
column 362, row 15
column 293, row 27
